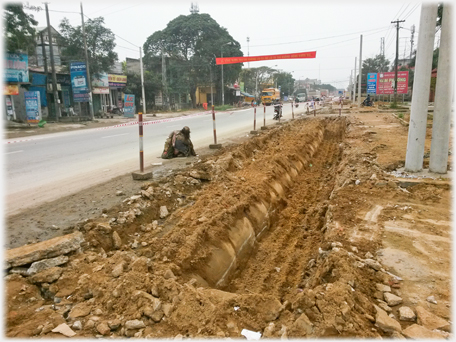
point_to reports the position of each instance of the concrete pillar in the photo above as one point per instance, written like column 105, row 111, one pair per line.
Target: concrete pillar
column 421, row 87
column 443, row 97
column 360, row 68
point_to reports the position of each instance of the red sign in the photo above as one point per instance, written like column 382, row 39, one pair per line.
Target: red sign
column 385, row 82
column 233, row 60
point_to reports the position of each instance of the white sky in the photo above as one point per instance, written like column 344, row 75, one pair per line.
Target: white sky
column 333, row 29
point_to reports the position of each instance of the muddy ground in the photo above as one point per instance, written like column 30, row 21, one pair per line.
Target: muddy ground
column 290, row 234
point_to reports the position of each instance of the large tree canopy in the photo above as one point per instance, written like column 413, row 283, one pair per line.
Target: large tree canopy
column 18, row 30
column 190, row 44
column 100, row 44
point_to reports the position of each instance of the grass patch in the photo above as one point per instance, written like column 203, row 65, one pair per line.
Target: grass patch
column 400, row 115
column 222, row 108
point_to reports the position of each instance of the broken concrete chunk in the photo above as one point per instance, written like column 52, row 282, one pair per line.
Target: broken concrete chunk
column 406, row 314
column 431, row 321
column 116, row 240
column 64, row 329
column 103, row 329
column 391, row 299
column 134, row 324
column 47, row 276
column 373, row 264
column 45, row 264
column 163, row 211
column 416, row 331
column 80, row 310
column 386, row 323
column 43, row 250
column 431, row 299
column 383, row 288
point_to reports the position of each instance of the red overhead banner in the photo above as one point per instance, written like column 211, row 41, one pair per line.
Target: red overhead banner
column 233, row 60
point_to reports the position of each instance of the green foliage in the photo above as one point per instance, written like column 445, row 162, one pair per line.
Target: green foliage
column 372, row 65
column 18, row 30
column 257, row 78
column 222, row 108
column 100, row 44
column 190, row 44
column 152, row 85
column 286, row 82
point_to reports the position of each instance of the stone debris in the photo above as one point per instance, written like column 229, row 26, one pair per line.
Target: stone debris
column 303, row 325
column 406, row 314
column 392, row 299
column 416, row 331
column 120, row 193
column 382, row 288
column 43, row 250
column 77, row 325
column 431, row 321
column 80, row 310
column 103, row 329
column 386, row 323
column 431, row 299
column 64, row 329
column 163, row 211
column 47, row 276
column 116, row 240
column 134, row 324
column 373, row 264
column 45, row 264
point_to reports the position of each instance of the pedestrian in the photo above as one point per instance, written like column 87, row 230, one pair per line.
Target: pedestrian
column 178, row 144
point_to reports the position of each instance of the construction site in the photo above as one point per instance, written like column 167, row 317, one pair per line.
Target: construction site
column 310, row 229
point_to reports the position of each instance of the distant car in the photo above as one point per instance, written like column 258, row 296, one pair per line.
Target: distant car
column 302, row 97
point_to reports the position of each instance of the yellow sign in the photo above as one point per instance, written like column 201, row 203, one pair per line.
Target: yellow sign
column 11, row 89
column 117, row 78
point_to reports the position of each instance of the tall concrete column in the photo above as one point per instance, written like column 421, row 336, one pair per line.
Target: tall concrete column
column 354, row 84
column 421, row 87
column 360, row 68
column 443, row 97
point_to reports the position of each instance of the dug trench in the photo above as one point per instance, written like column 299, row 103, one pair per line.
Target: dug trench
column 264, row 236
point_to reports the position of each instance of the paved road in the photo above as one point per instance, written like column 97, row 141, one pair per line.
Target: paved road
column 47, row 167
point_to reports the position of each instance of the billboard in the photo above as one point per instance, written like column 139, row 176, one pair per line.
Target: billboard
column 385, row 84
column 79, row 82
column 372, row 83
column 129, row 106
column 16, row 68
column 32, row 106
column 117, row 81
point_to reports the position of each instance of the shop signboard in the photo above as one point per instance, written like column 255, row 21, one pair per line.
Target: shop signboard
column 385, row 84
column 371, row 83
column 117, row 81
column 10, row 89
column 16, row 68
column 79, row 82
column 129, row 106
column 32, row 106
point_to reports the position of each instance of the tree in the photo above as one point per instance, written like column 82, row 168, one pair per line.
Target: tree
column 285, row 81
column 152, row 83
column 372, row 65
column 18, row 30
column 257, row 78
column 100, row 44
column 190, row 44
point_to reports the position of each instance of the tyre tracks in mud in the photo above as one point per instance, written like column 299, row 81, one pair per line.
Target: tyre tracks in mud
column 276, row 266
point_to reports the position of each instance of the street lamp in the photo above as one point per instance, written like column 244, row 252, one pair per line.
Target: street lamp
column 223, row 85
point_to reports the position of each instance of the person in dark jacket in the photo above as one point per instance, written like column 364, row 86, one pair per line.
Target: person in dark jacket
column 178, row 144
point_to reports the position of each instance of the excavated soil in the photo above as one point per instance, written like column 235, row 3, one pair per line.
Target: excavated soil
column 285, row 234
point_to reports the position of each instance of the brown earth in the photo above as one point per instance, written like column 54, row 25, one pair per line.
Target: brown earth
column 269, row 234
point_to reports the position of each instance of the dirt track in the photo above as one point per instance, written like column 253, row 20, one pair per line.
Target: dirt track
column 270, row 236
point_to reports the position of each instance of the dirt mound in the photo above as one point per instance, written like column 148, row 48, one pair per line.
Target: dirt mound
column 264, row 236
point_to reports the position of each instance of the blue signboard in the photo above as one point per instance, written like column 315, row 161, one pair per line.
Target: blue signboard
column 129, row 106
column 16, row 68
column 79, row 82
column 372, row 83
column 32, row 106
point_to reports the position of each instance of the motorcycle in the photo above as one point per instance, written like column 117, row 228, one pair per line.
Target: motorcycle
column 366, row 103
column 277, row 112
column 296, row 105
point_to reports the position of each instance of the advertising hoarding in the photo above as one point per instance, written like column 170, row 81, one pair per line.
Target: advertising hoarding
column 32, row 106
column 385, row 83
column 372, row 83
column 16, row 68
column 129, row 106
column 79, row 82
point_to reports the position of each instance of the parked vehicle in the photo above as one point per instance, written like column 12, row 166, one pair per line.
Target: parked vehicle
column 277, row 111
column 270, row 96
column 301, row 97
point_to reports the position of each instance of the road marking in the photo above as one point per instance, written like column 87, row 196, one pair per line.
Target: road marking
column 14, row 152
column 117, row 135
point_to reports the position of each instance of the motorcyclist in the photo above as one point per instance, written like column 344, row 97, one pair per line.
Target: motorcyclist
column 368, row 101
column 178, row 144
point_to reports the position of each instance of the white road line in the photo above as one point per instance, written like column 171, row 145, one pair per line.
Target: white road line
column 14, row 152
column 117, row 135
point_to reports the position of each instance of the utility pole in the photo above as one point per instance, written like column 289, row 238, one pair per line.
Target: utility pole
column 411, row 41
column 164, row 84
column 54, row 77
column 421, row 87
column 397, row 57
column 354, row 85
column 43, row 49
column 89, row 81
column 360, row 73
column 248, row 52
column 142, row 82
column 443, row 97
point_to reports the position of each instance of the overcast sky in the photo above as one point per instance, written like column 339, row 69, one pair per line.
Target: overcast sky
column 333, row 29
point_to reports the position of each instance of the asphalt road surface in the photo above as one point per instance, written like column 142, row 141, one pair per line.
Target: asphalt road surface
column 47, row 167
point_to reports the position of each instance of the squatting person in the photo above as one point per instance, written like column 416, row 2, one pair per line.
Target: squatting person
column 178, row 144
